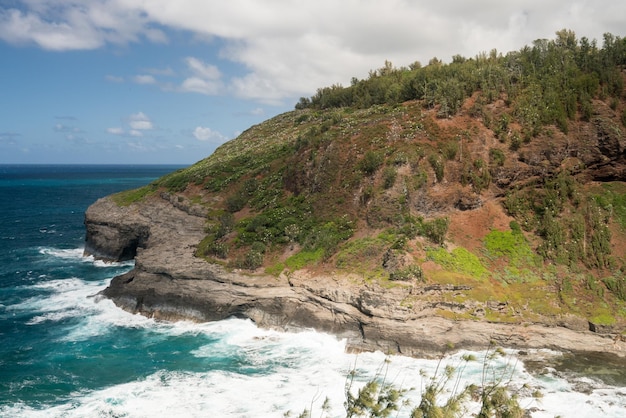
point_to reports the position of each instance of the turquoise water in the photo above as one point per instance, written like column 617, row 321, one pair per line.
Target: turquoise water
column 66, row 352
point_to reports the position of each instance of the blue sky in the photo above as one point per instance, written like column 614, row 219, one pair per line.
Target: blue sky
column 166, row 82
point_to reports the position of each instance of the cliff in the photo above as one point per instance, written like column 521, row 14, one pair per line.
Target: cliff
column 421, row 208
column 170, row 283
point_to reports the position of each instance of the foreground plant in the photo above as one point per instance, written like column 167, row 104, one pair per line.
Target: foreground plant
column 442, row 396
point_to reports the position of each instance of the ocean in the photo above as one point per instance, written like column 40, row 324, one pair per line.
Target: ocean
column 67, row 352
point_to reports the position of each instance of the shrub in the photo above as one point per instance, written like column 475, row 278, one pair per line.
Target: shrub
column 235, row 202
column 617, row 285
column 496, row 157
column 389, row 177
column 436, row 230
column 226, row 222
column 252, row 260
column 218, row 249
column 516, row 141
column 210, row 247
column 371, row 162
column 450, row 149
column 437, row 165
column 408, row 273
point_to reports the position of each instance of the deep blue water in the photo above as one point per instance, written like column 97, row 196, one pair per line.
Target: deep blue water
column 41, row 239
column 66, row 352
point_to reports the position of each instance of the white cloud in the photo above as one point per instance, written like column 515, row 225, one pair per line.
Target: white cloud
column 202, row 70
column 205, row 78
column 139, row 122
column 114, row 79
column 69, row 34
column 198, row 85
column 289, row 49
column 207, row 134
column 59, row 127
column 115, row 131
column 144, row 79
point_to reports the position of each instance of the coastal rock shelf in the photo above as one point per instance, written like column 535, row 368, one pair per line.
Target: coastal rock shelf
column 168, row 282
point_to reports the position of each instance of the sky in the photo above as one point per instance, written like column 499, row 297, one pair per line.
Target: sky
column 167, row 81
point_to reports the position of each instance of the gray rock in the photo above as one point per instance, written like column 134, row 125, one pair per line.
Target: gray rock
column 170, row 283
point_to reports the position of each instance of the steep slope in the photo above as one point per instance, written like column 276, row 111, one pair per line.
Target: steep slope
column 390, row 210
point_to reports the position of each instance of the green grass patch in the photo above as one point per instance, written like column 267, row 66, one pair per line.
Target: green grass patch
column 603, row 319
column 275, row 269
column 304, row 258
column 509, row 244
column 459, row 260
column 128, row 197
column 359, row 252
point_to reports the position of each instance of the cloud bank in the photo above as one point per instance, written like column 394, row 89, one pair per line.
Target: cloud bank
column 289, row 48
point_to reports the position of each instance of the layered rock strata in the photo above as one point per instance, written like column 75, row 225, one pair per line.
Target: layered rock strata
column 168, row 282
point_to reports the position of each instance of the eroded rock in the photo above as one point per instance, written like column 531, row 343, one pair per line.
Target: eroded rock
column 170, row 283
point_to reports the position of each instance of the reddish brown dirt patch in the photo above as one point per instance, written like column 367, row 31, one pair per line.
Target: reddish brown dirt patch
column 468, row 228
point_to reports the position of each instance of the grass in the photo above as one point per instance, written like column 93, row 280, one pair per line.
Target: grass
column 357, row 253
column 304, row 258
column 603, row 319
column 299, row 178
column 613, row 196
column 459, row 260
column 128, row 197
column 511, row 245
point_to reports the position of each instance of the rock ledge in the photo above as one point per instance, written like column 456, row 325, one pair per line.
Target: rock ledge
column 169, row 283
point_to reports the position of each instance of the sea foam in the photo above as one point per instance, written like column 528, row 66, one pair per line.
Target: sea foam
column 272, row 373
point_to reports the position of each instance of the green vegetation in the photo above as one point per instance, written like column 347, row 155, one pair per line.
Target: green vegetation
column 373, row 178
column 548, row 82
column 612, row 198
column 304, row 258
column 128, row 197
column 441, row 393
column 459, row 260
column 513, row 247
column 573, row 227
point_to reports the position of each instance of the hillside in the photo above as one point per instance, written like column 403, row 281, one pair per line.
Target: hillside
column 490, row 188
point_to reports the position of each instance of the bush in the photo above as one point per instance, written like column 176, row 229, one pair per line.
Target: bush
column 218, row 249
column 252, row 260
column 496, row 157
column 436, row 230
column 449, row 150
column 210, row 247
column 370, row 163
column 437, row 165
column 408, row 273
column 516, row 141
column 236, row 202
column 226, row 222
column 389, row 177
column 617, row 285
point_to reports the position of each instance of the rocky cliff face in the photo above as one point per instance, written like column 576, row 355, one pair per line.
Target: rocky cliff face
column 170, row 283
